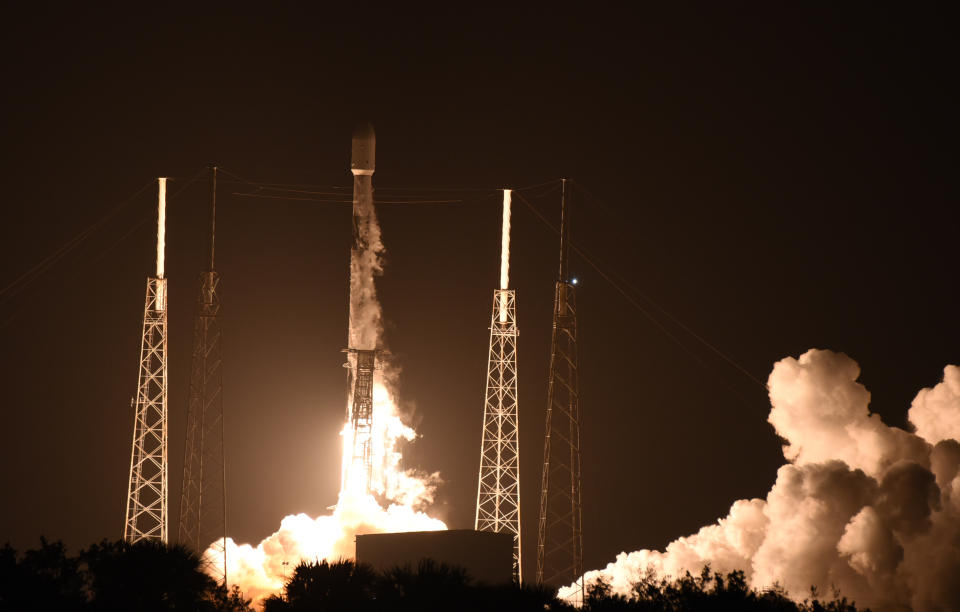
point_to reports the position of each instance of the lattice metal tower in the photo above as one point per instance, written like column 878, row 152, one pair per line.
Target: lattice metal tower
column 498, row 485
column 203, row 492
column 146, row 514
column 559, row 534
column 498, row 491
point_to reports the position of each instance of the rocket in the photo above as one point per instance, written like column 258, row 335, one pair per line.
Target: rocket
column 364, row 313
column 363, row 252
column 364, row 150
column 362, row 167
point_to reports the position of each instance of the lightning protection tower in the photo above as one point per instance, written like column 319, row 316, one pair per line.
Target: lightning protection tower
column 203, row 492
column 146, row 514
column 498, row 488
column 559, row 533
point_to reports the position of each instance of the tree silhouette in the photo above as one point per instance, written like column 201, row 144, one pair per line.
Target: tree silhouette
column 432, row 586
column 345, row 585
column 149, row 577
column 341, row 585
column 43, row 579
column 707, row 592
column 109, row 576
column 146, row 576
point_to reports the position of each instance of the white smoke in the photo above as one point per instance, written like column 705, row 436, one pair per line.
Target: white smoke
column 932, row 411
column 399, row 498
column 866, row 508
column 259, row 570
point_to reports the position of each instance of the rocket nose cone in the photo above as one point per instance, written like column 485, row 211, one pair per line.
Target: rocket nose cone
column 364, row 149
column 364, row 131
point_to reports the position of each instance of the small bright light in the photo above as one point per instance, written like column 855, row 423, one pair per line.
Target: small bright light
column 574, row 281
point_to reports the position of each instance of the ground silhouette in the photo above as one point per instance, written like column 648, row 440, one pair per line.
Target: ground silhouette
column 111, row 576
column 148, row 577
column 345, row 585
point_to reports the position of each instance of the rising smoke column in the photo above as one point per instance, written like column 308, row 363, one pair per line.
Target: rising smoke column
column 402, row 496
column 870, row 509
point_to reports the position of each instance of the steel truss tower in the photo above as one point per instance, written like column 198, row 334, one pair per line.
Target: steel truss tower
column 498, row 489
column 559, row 534
column 203, row 492
column 146, row 513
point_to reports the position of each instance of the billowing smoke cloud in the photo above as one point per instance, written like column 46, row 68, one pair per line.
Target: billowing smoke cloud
column 866, row 508
column 933, row 411
column 399, row 499
column 259, row 570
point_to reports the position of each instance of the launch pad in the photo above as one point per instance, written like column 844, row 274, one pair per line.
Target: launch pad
column 371, row 466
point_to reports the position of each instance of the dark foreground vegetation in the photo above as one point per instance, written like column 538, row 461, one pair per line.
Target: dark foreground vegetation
column 145, row 577
column 111, row 576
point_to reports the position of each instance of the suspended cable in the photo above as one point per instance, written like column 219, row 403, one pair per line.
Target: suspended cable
column 45, row 265
column 37, row 270
column 652, row 302
column 346, row 190
column 617, row 286
column 267, row 196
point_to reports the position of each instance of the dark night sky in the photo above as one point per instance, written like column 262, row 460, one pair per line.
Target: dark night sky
column 775, row 178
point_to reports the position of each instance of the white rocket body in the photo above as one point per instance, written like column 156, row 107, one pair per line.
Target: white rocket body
column 365, row 252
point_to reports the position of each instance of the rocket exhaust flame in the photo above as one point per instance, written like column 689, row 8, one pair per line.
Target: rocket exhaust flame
column 505, row 254
column 860, row 506
column 376, row 494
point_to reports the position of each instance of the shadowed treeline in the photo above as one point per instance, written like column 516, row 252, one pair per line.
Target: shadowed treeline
column 111, row 576
column 146, row 576
column 345, row 585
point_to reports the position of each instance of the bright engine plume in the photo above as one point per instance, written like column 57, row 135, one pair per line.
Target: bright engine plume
column 868, row 509
column 382, row 498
